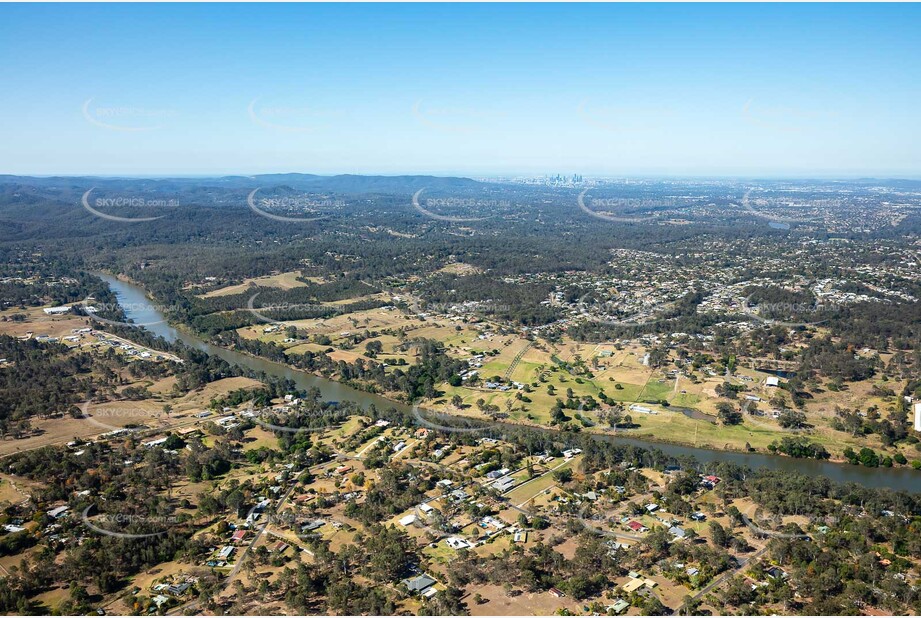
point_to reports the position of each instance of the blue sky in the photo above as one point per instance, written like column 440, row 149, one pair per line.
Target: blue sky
column 624, row 89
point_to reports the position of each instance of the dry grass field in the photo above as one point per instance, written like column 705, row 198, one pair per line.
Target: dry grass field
column 284, row 281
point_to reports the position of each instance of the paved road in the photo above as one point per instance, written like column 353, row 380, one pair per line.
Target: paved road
column 730, row 573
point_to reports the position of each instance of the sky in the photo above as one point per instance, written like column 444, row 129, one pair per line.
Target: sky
column 461, row 89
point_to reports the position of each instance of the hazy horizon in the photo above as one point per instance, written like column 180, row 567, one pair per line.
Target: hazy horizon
column 684, row 90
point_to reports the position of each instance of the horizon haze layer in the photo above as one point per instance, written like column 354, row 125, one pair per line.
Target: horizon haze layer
column 474, row 90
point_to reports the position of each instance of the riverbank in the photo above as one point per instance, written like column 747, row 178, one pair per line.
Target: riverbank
column 143, row 312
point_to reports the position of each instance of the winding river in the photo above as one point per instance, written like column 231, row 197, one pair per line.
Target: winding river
column 140, row 309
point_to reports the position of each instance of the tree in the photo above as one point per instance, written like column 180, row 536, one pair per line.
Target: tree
column 652, row 606
column 373, row 348
column 792, row 419
column 563, row 476
column 719, row 535
column 728, row 415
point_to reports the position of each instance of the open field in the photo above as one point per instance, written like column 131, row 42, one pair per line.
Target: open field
column 284, row 281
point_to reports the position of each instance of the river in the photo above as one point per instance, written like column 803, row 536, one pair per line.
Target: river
column 141, row 310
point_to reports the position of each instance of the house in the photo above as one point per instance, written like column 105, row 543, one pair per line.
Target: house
column 652, row 508
column 312, row 525
column 497, row 473
column 636, row 526
column 772, row 381
column 492, row 521
column 698, row 516
column 632, row 586
column 418, row 584
column 556, row 592
column 226, row 552
column 776, row 572
column 455, row 542
column 238, row 536
column 58, row 512
column 619, row 606
column 677, row 532
column 280, row 547
column 159, row 600
column 57, row 310
column 178, row 589
column 407, row 521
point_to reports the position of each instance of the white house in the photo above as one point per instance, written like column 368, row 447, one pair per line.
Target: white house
column 56, row 310
column 455, row 542
column 58, row 512
column 918, row 416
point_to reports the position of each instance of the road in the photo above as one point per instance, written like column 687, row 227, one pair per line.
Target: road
column 730, row 573
column 181, row 609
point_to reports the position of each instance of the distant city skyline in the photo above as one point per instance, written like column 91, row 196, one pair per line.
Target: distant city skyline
column 679, row 90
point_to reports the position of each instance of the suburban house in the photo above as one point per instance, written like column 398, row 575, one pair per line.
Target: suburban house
column 418, row 584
